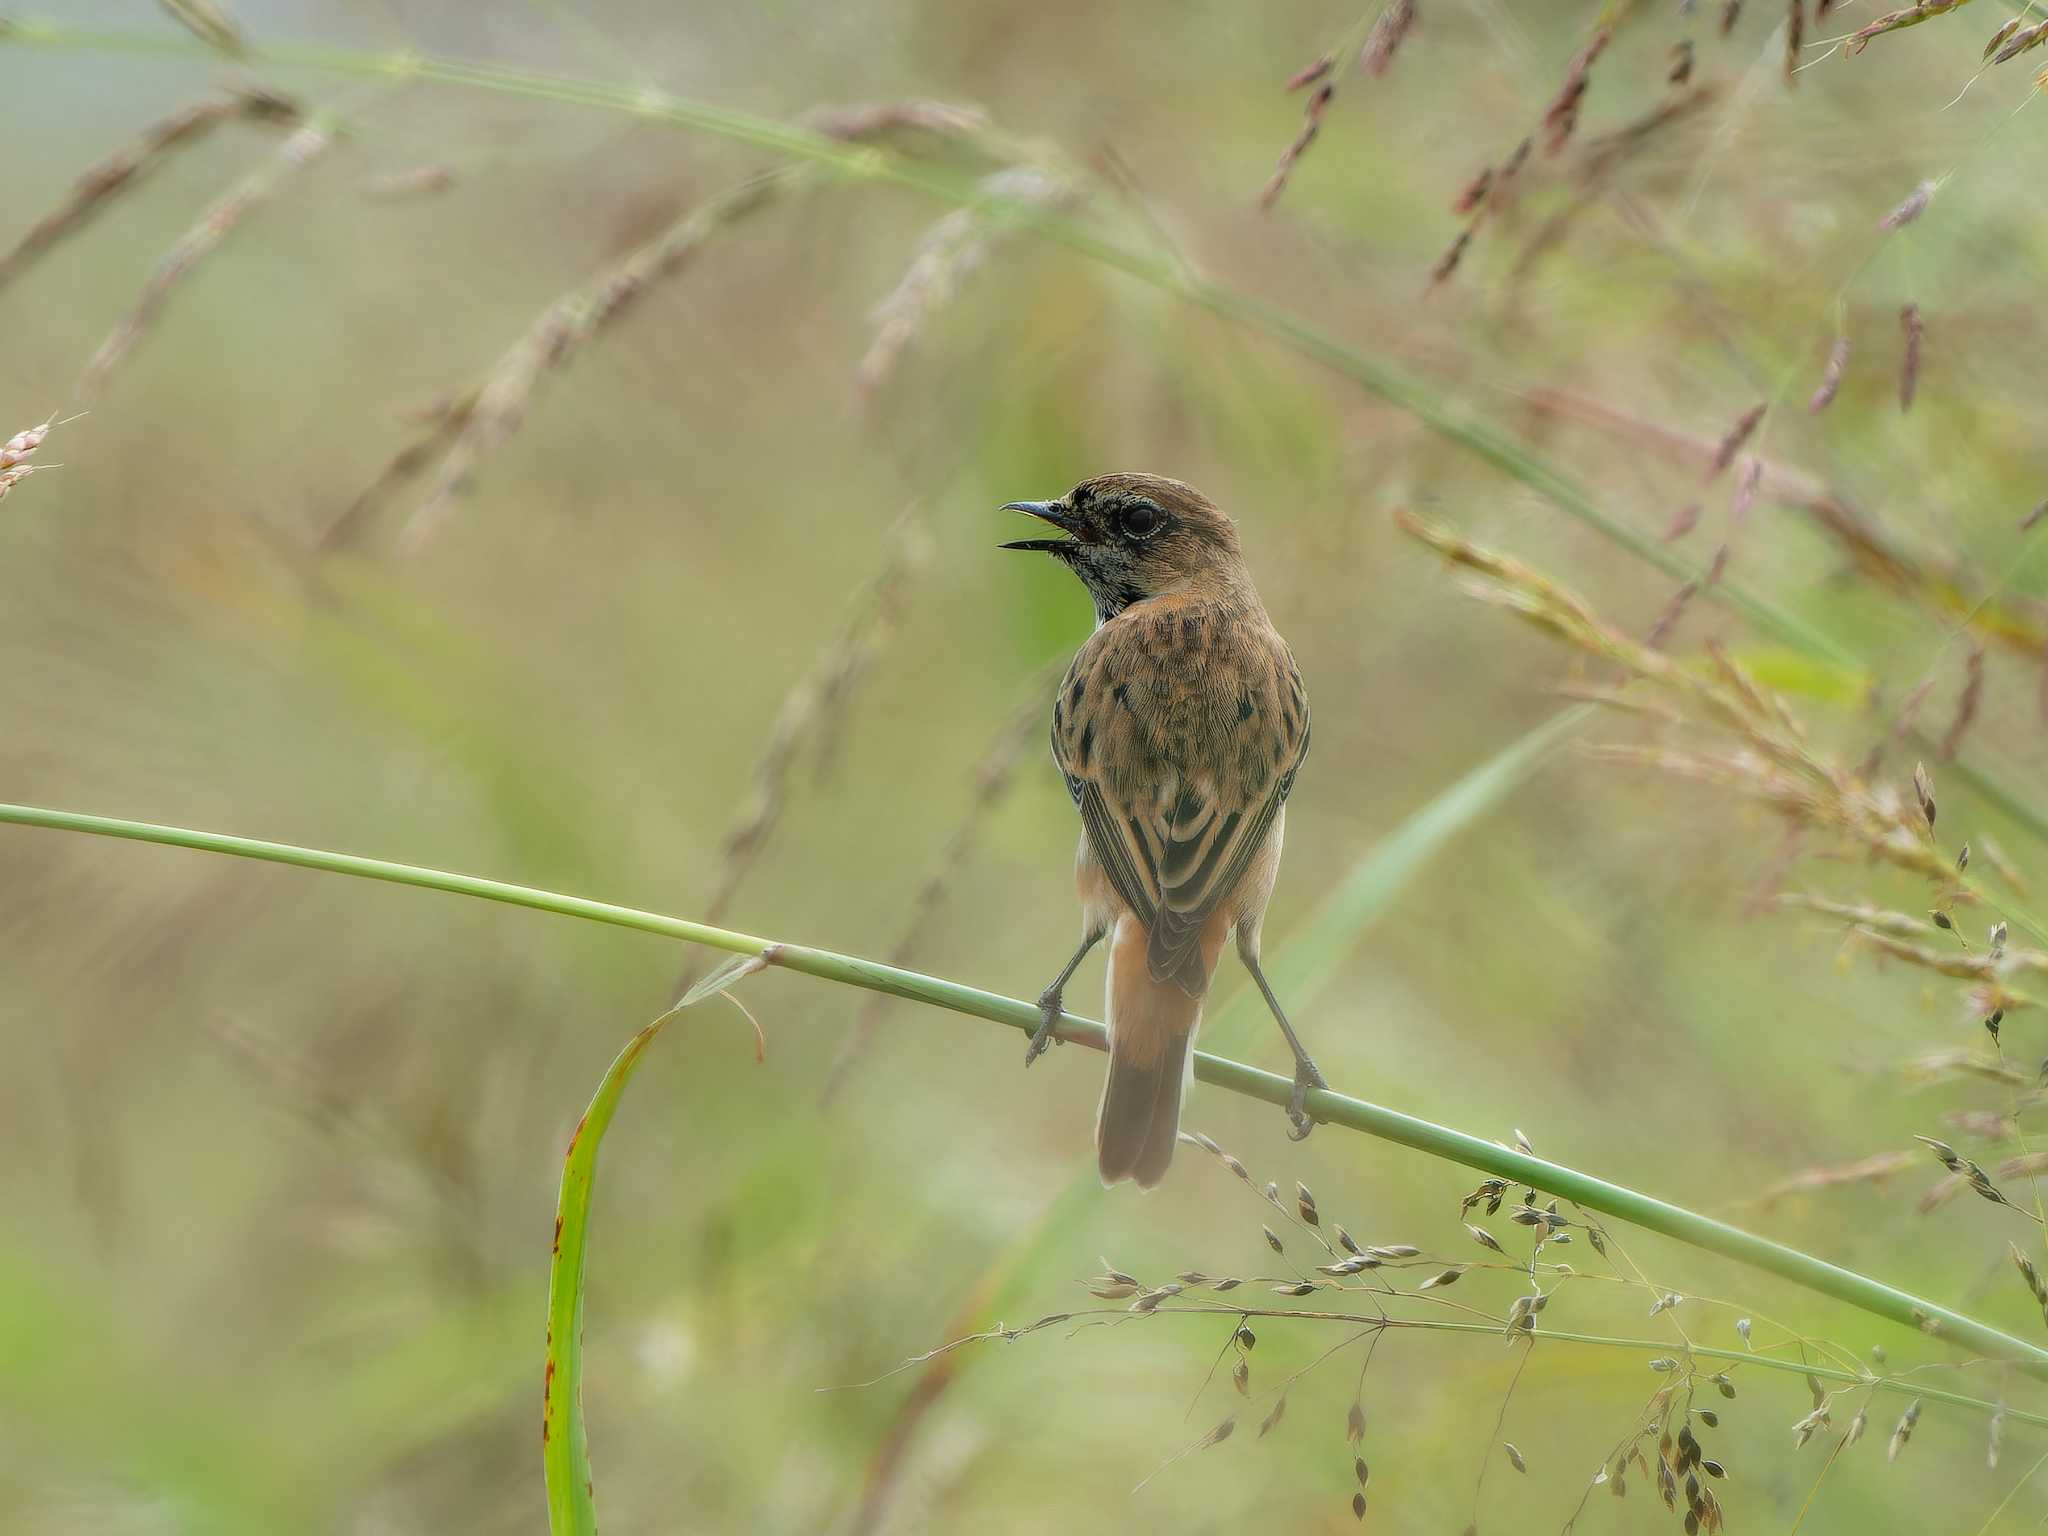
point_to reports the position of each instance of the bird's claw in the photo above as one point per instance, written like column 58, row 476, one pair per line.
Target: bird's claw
column 1049, row 1011
column 1305, row 1077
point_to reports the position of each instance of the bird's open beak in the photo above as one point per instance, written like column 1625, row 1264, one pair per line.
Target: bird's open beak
column 1053, row 513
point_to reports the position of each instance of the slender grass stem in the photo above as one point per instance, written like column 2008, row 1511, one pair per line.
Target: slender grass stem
column 1331, row 1108
column 1900, row 1385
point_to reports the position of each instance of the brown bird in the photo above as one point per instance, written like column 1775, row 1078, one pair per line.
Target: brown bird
column 1179, row 728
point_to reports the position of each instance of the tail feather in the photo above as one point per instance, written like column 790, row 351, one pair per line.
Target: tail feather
column 1151, row 1029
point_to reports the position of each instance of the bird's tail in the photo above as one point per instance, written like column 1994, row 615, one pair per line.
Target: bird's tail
column 1151, row 1031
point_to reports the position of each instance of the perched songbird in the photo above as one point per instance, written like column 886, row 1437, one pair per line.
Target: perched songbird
column 1179, row 728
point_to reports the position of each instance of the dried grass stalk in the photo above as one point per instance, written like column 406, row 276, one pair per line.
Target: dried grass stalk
column 1870, row 1170
column 476, row 421
column 306, row 144
column 1561, row 116
column 1770, row 759
column 812, row 709
column 952, row 250
column 404, row 186
column 210, row 22
column 992, row 779
column 121, row 169
column 553, row 340
column 1909, row 359
column 1894, row 21
column 1966, row 706
column 2016, row 621
column 1311, row 125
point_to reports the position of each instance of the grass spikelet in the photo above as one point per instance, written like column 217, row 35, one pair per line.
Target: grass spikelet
column 1831, row 377
column 1911, row 208
column 2022, row 42
column 1747, row 481
column 1909, row 358
column 124, row 168
column 1561, row 116
column 1963, row 1168
column 1732, row 440
column 421, row 181
column 1472, row 196
column 950, row 252
column 209, row 21
column 306, row 144
column 1389, row 31
column 1305, row 1203
column 1795, row 36
column 1311, row 125
column 1447, row 263
column 1894, row 21
column 16, row 452
column 500, row 403
column 1966, row 707
column 1904, row 1431
column 1309, row 74
column 2006, row 29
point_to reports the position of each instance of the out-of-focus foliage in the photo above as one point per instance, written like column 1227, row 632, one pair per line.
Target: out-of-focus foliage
column 279, row 1154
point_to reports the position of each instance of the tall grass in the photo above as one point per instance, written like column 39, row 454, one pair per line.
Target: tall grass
column 570, row 1482
column 993, row 182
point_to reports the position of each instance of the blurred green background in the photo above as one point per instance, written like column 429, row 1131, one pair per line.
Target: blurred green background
column 278, row 1152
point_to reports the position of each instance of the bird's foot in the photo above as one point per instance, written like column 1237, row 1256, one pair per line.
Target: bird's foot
column 1305, row 1077
column 1050, row 1007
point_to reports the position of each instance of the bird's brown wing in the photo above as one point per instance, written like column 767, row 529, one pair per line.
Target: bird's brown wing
column 1175, row 823
column 1207, row 848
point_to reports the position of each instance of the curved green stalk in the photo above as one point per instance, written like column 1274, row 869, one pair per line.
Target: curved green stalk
column 1331, row 1108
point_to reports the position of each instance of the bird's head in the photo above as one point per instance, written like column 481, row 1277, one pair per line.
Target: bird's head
column 1132, row 537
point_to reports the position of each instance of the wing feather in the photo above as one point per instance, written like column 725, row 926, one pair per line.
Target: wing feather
column 1177, row 837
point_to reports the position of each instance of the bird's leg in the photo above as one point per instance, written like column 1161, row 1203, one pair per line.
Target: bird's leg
column 1050, row 1006
column 1306, row 1076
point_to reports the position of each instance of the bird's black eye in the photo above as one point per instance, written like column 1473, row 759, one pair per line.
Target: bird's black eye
column 1140, row 520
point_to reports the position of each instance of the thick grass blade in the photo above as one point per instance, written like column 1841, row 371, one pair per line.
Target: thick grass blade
column 1304, row 966
column 1329, row 1107
column 565, row 1438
